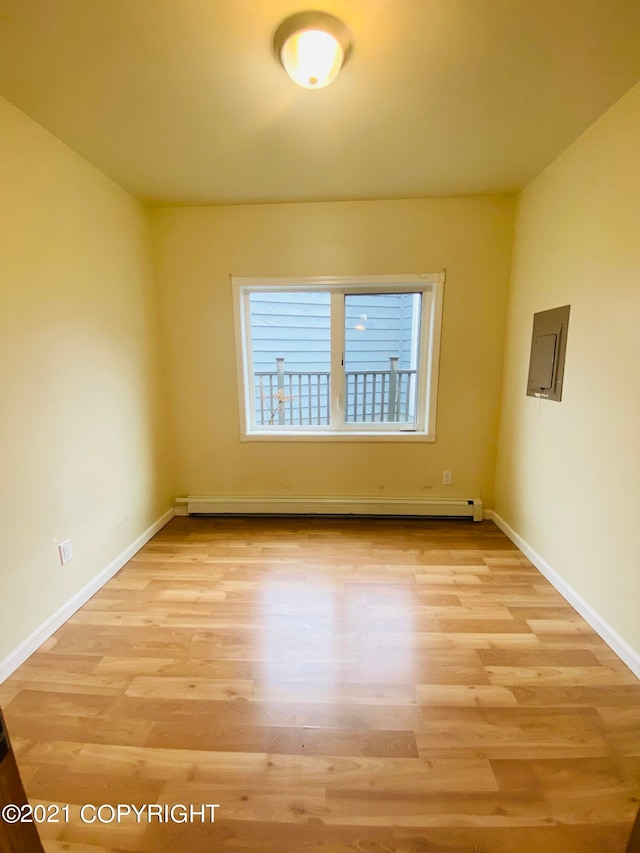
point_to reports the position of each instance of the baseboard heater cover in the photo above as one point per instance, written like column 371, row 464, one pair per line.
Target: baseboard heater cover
column 434, row 508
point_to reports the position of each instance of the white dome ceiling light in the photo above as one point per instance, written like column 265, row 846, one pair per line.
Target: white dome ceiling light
column 312, row 47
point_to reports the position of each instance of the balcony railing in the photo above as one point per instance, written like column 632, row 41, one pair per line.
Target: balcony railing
column 303, row 398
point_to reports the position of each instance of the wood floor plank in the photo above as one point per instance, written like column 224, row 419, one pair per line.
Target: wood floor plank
column 537, row 657
column 92, row 730
column 170, row 765
column 336, row 685
column 499, row 733
column 288, row 740
column 159, row 687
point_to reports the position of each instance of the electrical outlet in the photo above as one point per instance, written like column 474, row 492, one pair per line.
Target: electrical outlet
column 446, row 478
column 65, row 551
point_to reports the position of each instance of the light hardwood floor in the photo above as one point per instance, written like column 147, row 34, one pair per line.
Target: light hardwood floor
column 381, row 686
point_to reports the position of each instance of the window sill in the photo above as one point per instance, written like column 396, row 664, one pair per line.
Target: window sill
column 350, row 435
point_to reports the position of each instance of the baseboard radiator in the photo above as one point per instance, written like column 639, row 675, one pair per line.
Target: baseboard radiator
column 435, row 508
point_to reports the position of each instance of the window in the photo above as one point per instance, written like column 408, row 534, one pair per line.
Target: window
column 338, row 357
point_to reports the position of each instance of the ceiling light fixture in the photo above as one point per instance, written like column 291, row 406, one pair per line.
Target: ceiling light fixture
column 312, row 47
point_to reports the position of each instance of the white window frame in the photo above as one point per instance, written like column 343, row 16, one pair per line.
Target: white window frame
column 429, row 285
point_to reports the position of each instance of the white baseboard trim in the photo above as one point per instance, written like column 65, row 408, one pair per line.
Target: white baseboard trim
column 19, row 655
column 616, row 643
column 264, row 505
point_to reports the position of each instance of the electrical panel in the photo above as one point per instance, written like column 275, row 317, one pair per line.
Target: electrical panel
column 548, row 348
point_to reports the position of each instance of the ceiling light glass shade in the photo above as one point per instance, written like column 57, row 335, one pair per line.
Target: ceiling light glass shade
column 312, row 58
column 312, row 47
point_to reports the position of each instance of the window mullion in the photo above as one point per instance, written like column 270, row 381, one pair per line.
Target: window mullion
column 338, row 402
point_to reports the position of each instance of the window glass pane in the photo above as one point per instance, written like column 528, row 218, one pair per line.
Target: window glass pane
column 291, row 354
column 382, row 341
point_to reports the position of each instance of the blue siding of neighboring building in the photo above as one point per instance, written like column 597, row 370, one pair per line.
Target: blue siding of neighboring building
column 296, row 326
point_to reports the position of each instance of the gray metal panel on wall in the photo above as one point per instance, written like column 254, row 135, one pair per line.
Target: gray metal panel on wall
column 548, row 350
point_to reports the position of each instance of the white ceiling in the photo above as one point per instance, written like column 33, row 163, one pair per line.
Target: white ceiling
column 182, row 101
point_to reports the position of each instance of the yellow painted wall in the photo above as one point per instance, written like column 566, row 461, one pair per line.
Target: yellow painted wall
column 568, row 475
column 198, row 248
column 82, row 445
